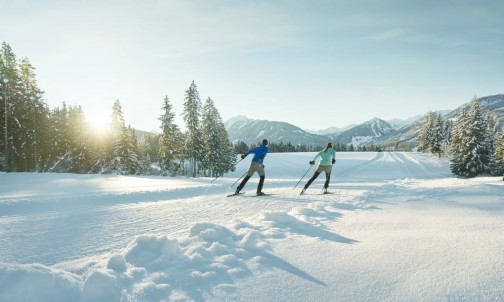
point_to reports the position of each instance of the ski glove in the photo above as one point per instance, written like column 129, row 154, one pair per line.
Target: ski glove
column 243, row 156
column 333, row 161
column 312, row 162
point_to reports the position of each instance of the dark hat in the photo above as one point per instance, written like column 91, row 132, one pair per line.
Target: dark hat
column 265, row 142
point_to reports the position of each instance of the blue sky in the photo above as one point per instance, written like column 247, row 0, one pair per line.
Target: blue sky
column 315, row 64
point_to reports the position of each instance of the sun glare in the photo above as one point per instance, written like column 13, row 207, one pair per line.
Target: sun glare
column 99, row 122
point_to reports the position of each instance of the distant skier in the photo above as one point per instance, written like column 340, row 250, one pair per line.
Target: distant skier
column 255, row 165
column 328, row 158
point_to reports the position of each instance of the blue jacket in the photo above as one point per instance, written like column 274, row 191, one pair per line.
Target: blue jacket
column 259, row 153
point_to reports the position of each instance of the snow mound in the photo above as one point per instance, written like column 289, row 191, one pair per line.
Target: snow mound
column 37, row 282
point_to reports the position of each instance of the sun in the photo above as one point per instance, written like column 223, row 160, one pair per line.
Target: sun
column 99, row 122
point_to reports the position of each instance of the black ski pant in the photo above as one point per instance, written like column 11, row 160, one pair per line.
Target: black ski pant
column 246, row 178
column 315, row 175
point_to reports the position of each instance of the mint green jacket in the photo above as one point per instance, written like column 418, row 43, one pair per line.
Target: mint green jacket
column 326, row 157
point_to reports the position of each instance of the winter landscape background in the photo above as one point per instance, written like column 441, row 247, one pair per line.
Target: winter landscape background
column 122, row 122
column 400, row 133
column 398, row 227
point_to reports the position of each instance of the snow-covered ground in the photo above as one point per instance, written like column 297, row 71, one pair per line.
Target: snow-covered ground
column 398, row 227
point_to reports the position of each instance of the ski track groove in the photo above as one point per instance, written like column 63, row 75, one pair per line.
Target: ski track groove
column 404, row 165
column 351, row 171
column 410, row 163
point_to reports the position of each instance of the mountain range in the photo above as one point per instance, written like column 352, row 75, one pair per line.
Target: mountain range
column 396, row 134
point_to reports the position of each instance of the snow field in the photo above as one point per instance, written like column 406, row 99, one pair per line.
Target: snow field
column 398, row 227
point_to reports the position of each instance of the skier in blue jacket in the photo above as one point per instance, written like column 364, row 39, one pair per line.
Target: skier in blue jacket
column 256, row 165
column 328, row 158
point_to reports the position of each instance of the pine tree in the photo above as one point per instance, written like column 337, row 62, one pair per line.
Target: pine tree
column 70, row 141
column 170, row 141
column 492, row 130
column 42, row 140
column 24, row 145
column 34, row 116
column 470, row 153
column 219, row 155
column 125, row 153
column 240, row 147
column 149, row 148
column 498, row 156
column 436, row 141
column 430, row 137
column 79, row 155
column 447, row 137
column 132, row 159
column 59, row 138
column 423, row 135
column 210, row 137
column 193, row 141
column 10, row 96
column 458, row 142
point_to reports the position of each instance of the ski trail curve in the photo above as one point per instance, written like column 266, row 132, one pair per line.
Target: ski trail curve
column 355, row 169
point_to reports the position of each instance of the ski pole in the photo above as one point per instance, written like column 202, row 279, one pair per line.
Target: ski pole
column 215, row 178
column 223, row 174
column 238, row 179
column 302, row 177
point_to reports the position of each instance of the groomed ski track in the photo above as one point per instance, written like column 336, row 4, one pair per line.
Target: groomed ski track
column 117, row 215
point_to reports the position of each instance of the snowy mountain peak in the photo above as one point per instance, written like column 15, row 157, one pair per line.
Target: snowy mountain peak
column 374, row 131
column 378, row 126
column 235, row 119
column 373, row 120
column 253, row 131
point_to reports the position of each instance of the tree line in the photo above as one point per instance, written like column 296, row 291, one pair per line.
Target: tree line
column 474, row 141
column 36, row 138
column 241, row 147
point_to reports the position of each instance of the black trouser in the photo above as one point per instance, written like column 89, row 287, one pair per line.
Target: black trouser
column 259, row 186
column 315, row 175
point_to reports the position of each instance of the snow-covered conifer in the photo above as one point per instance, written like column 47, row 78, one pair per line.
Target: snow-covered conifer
column 132, row 160
column 424, row 135
column 124, row 159
column 437, row 136
column 470, row 149
column 79, row 154
column 170, row 141
column 219, row 155
column 193, row 138
column 498, row 156
column 33, row 115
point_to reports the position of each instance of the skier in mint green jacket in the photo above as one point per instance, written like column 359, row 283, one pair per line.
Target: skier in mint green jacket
column 328, row 158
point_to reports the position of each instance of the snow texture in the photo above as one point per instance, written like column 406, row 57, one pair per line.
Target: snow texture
column 397, row 227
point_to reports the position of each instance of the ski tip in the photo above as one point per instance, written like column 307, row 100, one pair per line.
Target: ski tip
column 234, row 194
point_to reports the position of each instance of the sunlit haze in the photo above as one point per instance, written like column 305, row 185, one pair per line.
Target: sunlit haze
column 99, row 120
column 315, row 64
